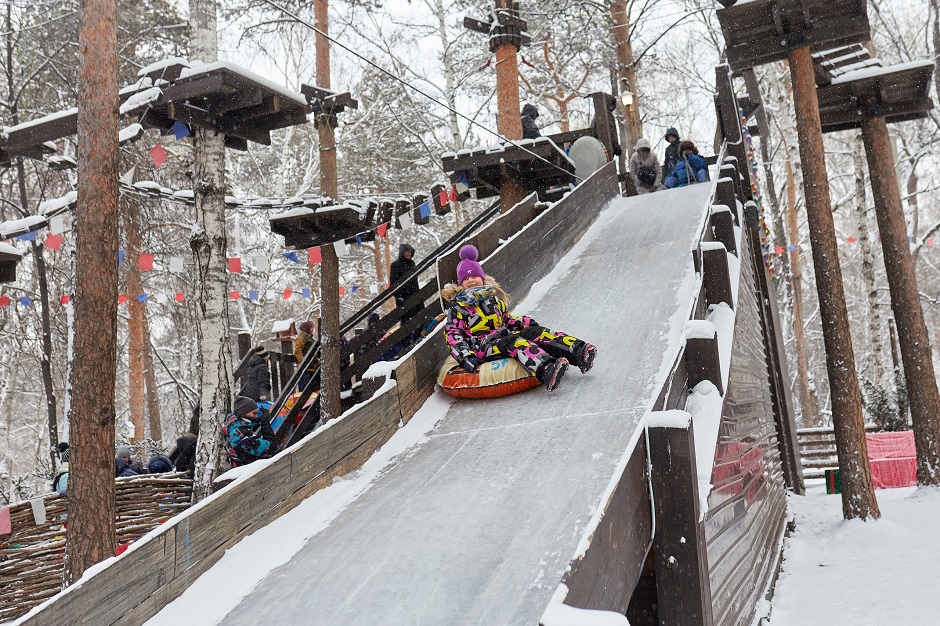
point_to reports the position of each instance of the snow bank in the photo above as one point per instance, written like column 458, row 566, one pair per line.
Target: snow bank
column 698, row 329
column 141, row 99
column 211, row 597
column 704, row 405
column 557, row 613
column 668, row 419
column 55, row 205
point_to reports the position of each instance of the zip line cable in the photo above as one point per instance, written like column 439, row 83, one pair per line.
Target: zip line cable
column 473, row 122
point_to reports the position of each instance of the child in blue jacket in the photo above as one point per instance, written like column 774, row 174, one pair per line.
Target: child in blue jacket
column 690, row 169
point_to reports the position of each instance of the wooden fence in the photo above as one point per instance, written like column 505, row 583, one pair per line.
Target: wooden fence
column 127, row 592
column 31, row 557
column 818, row 449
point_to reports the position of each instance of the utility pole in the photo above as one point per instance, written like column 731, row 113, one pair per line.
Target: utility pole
column 209, row 243
column 506, row 33
column 858, row 495
column 91, row 503
column 330, row 407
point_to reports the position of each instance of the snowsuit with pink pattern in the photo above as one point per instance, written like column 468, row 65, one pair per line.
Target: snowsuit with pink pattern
column 479, row 325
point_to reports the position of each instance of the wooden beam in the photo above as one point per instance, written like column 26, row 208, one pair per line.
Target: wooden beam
column 202, row 86
column 683, row 588
column 224, row 103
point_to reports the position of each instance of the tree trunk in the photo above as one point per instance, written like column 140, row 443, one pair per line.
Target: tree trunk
column 330, row 405
column 508, row 117
column 858, row 495
column 620, row 17
column 923, row 396
column 135, row 314
column 209, row 244
column 150, row 379
column 809, row 406
column 876, row 372
column 91, row 506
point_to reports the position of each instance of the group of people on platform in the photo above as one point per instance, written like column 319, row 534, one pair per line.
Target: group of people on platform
column 682, row 165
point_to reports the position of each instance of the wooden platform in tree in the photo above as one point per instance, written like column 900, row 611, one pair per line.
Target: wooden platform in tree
column 537, row 164
column 9, row 257
column 897, row 93
column 763, row 31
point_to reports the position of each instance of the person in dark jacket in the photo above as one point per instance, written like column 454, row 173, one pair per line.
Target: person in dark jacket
column 672, row 151
column 612, row 124
column 398, row 273
column 371, row 335
column 159, row 464
column 184, row 456
column 122, row 462
column 258, row 377
column 248, row 437
column 529, row 128
column 690, row 169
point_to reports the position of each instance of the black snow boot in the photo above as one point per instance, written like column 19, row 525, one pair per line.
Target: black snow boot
column 586, row 358
column 552, row 373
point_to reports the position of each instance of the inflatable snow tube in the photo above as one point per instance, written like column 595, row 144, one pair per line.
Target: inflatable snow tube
column 493, row 379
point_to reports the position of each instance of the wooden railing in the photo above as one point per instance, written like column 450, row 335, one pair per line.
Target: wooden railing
column 818, row 449
column 31, row 557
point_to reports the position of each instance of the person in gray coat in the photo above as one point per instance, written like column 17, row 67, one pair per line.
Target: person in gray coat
column 644, row 168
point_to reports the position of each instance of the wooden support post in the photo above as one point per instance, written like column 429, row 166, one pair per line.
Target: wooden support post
column 508, row 116
column 701, row 354
column 724, row 193
column 244, row 343
column 683, row 589
column 722, row 224
column 729, row 171
column 715, row 273
column 858, row 496
column 916, row 356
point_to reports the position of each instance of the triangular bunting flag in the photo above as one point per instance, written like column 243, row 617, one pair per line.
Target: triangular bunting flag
column 381, row 230
column 452, row 194
column 53, row 242
column 128, row 177
column 158, row 154
column 27, row 236
column 291, row 256
column 354, row 288
column 180, row 130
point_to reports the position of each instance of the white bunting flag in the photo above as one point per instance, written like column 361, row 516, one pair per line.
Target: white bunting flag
column 341, row 248
column 161, row 298
column 176, row 264
column 374, row 289
column 405, row 220
column 270, row 295
column 128, row 177
column 57, row 224
column 262, row 264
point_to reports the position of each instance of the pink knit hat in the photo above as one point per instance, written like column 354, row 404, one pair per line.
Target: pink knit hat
column 468, row 265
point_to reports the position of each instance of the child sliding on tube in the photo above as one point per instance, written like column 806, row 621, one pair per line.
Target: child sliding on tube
column 480, row 328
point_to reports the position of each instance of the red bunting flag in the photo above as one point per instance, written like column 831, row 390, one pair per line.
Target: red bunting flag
column 288, row 293
column 4, row 301
column 342, row 290
column 381, row 230
column 145, row 263
column 63, row 300
column 122, row 298
column 53, row 242
column 850, row 239
column 930, row 243
column 180, row 296
column 452, row 196
column 233, row 295
column 314, row 255
column 442, row 197
column 779, row 249
column 158, row 154
column 235, row 265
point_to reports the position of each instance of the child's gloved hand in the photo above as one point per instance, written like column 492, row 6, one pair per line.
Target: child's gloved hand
column 470, row 364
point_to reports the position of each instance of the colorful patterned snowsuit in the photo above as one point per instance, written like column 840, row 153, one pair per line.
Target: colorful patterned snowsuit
column 479, row 325
column 247, row 439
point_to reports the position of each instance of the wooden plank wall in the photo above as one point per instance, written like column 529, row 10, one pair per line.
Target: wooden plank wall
column 745, row 520
column 134, row 588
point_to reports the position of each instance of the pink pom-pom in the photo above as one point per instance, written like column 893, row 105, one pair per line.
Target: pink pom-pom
column 469, row 253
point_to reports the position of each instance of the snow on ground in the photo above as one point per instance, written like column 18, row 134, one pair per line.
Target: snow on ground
column 861, row 573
